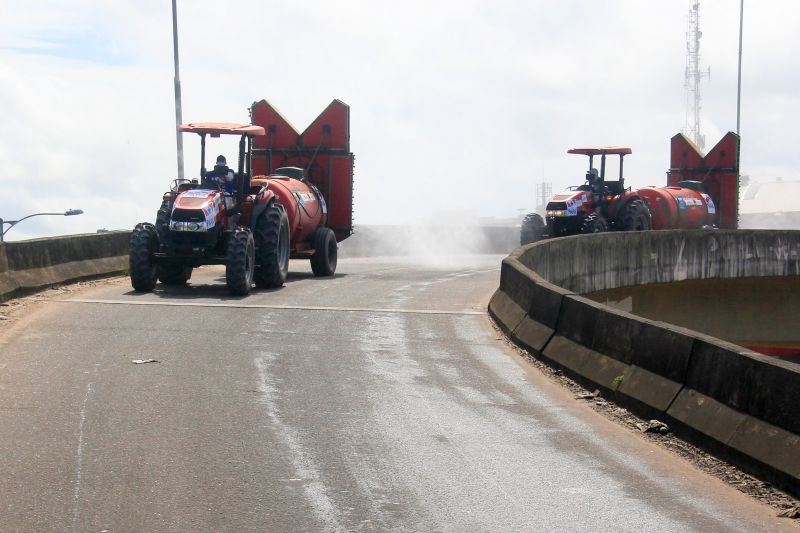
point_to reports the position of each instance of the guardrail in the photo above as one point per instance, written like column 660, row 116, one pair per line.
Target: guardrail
column 737, row 403
column 38, row 263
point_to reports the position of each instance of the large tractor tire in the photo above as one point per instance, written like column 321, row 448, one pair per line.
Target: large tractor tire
column 174, row 273
column 532, row 230
column 594, row 223
column 143, row 270
column 162, row 222
column 635, row 216
column 272, row 248
column 326, row 252
column 240, row 262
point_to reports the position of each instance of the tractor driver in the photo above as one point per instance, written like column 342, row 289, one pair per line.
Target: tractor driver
column 593, row 177
column 221, row 175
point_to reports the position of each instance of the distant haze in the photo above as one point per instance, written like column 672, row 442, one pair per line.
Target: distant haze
column 457, row 106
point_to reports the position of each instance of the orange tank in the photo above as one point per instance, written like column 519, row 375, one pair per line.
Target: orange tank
column 678, row 207
column 304, row 205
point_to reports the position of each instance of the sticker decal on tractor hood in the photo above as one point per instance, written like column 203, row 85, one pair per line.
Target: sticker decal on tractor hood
column 574, row 203
column 198, row 193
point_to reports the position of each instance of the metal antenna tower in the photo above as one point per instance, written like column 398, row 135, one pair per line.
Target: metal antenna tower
column 693, row 77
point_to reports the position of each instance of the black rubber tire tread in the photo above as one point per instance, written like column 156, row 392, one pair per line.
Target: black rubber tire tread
column 143, row 271
column 594, row 223
column 532, row 229
column 240, row 262
column 174, row 273
column 162, row 222
column 635, row 216
column 272, row 248
column 326, row 252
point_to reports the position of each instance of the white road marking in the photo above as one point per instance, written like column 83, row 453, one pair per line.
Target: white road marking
column 273, row 306
column 79, row 454
column 316, row 492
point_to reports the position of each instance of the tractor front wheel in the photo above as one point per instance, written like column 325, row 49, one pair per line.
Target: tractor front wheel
column 143, row 270
column 635, row 216
column 272, row 248
column 326, row 252
column 240, row 262
column 532, row 229
column 594, row 223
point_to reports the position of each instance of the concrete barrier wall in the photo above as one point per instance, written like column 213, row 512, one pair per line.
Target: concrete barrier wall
column 38, row 263
column 744, row 405
column 610, row 260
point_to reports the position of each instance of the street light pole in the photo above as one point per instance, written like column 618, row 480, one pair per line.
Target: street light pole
column 12, row 223
column 178, row 112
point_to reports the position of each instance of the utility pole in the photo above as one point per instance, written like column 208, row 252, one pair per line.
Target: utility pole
column 178, row 113
column 693, row 77
column 739, row 79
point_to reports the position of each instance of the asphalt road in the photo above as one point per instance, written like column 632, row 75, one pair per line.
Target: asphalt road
column 380, row 400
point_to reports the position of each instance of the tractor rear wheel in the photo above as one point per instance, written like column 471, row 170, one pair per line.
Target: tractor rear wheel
column 272, row 248
column 532, row 229
column 174, row 273
column 326, row 252
column 143, row 270
column 240, row 262
column 594, row 223
column 635, row 216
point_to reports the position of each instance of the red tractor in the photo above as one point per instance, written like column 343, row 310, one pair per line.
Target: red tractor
column 697, row 185
column 253, row 221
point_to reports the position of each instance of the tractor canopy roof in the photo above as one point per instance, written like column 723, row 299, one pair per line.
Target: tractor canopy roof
column 601, row 150
column 222, row 128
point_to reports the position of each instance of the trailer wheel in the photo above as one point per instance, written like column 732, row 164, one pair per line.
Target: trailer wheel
column 635, row 216
column 532, row 229
column 240, row 262
column 174, row 273
column 143, row 270
column 594, row 223
column 272, row 248
column 326, row 252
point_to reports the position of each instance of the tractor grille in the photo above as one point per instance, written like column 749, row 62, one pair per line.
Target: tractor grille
column 552, row 206
column 188, row 215
column 560, row 226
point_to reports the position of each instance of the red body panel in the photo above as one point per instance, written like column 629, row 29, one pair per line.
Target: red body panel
column 718, row 170
column 678, row 208
column 323, row 150
column 209, row 201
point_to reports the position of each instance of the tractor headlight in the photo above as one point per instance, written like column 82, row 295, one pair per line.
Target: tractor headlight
column 187, row 226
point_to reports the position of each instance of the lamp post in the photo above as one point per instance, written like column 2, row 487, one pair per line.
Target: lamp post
column 12, row 223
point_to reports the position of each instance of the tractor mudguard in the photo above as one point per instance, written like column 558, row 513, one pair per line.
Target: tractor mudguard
column 266, row 200
column 619, row 205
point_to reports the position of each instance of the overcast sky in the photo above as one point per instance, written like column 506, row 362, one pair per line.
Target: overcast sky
column 455, row 105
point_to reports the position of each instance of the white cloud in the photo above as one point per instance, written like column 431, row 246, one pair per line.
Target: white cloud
column 455, row 105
